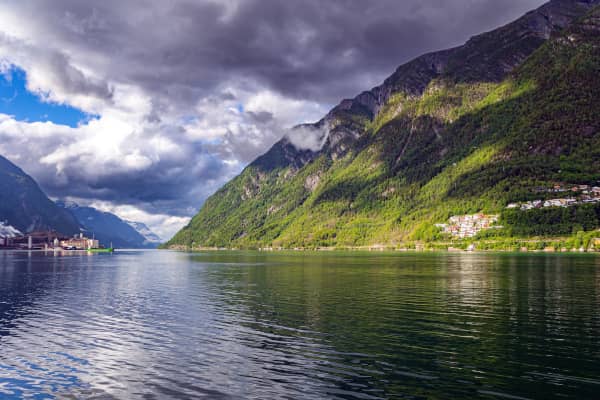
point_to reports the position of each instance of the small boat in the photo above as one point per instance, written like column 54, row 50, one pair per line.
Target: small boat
column 101, row 250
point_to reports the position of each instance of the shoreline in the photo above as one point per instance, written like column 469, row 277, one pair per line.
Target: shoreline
column 375, row 249
column 2, row 249
column 576, row 243
column 361, row 249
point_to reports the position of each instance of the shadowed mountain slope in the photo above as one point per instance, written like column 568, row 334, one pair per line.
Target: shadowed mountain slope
column 24, row 205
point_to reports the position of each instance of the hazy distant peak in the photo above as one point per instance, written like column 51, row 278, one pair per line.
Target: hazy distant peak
column 146, row 232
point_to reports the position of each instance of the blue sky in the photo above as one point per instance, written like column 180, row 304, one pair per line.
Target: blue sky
column 24, row 105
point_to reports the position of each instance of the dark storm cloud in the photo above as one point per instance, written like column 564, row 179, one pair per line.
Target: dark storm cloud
column 172, row 184
column 315, row 49
column 199, row 62
column 165, row 187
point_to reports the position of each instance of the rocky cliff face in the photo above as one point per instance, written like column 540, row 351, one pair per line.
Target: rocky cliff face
column 455, row 130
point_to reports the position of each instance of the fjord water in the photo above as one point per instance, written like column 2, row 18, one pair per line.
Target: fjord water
column 153, row 324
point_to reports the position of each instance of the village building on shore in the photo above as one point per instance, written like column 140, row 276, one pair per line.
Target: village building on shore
column 48, row 241
column 585, row 194
column 467, row 226
column 79, row 243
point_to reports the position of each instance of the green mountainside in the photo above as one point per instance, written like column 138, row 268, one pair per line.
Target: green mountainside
column 461, row 131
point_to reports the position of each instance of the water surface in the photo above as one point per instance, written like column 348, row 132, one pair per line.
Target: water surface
column 162, row 325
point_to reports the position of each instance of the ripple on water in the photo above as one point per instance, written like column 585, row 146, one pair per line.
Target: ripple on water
column 249, row 325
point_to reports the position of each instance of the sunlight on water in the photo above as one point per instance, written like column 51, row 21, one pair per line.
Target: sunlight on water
column 154, row 324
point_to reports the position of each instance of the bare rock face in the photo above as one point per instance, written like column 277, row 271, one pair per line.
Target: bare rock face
column 341, row 140
column 252, row 188
column 492, row 55
column 311, row 182
column 559, row 14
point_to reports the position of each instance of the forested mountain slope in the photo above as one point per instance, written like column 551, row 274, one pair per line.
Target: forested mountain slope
column 460, row 131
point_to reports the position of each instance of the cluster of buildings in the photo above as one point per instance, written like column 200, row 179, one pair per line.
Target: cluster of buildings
column 585, row 195
column 466, row 226
column 76, row 243
column 48, row 241
column 563, row 187
column 31, row 241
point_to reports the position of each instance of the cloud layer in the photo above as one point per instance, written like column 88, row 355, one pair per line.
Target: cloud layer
column 188, row 92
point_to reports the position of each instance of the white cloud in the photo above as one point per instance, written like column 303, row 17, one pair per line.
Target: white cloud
column 172, row 164
column 308, row 137
column 53, row 76
column 188, row 92
column 165, row 226
column 243, row 125
column 290, row 112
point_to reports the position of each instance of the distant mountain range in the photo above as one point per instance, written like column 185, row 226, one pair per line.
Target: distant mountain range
column 25, row 208
column 455, row 132
column 109, row 228
column 152, row 239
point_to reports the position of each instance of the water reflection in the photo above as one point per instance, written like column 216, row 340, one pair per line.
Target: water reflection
column 252, row 325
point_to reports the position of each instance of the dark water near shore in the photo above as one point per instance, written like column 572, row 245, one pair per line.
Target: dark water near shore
column 346, row 326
